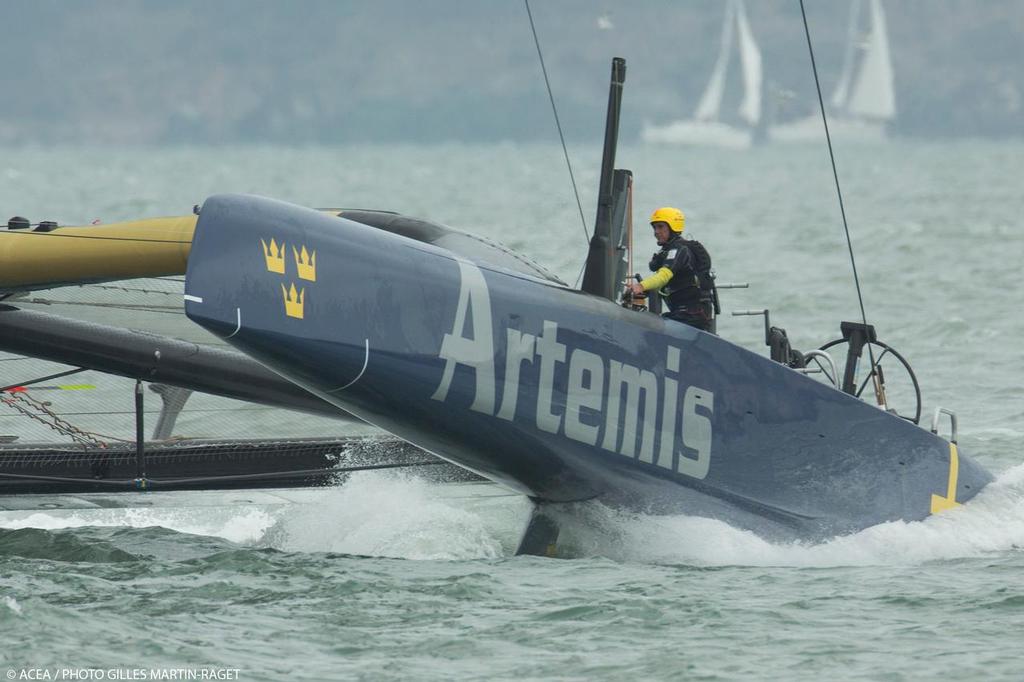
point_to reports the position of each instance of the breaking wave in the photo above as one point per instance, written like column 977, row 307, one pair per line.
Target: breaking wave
column 391, row 515
column 991, row 523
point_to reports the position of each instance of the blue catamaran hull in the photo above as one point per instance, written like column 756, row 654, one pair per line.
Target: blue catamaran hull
column 560, row 395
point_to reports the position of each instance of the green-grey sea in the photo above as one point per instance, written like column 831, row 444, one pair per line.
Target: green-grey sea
column 386, row 577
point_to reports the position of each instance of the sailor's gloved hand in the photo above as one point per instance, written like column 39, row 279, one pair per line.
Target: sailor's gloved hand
column 635, row 288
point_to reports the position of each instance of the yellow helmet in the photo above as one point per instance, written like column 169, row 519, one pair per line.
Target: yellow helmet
column 673, row 216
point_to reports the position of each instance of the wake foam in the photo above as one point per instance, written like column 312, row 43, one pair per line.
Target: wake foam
column 393, row 515
column 239, row 525
column 12, row 604
column 991, row 523
column 377, row 513
column 389, row 514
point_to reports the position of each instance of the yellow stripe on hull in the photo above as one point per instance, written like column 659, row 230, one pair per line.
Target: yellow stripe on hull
column 940, row 503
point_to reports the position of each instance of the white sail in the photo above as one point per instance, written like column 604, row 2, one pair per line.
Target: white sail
column 872, row 95
column 750, row 60
column 707, row 127
column 842, row 91
column 711, row 100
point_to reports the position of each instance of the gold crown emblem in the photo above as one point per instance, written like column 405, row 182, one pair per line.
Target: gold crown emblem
column 294, row 301
column 306, row 263
column 274, row 256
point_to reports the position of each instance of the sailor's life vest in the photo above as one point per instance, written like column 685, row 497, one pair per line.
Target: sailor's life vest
column 693, row 281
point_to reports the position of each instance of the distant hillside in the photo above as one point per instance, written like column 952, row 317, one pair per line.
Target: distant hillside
column 328, row 71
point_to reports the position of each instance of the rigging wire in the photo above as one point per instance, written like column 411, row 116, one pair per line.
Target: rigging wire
column 99, row 238
column 558, row 123
column 138, row 307
column 839, row 191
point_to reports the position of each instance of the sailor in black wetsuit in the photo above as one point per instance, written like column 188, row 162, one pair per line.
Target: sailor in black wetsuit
column 682, row 273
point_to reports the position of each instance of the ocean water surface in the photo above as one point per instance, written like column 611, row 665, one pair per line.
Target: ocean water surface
column 389, row 577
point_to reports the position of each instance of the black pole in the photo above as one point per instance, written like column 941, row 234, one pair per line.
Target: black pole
column 140, row 438
column 857, row 336
column 602, row 255
column 611, row 140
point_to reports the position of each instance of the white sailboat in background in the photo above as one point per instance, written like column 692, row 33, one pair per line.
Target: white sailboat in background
column 864, row 100
column 707, row 127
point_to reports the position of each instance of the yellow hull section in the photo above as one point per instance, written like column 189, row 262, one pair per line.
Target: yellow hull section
column 153, row 247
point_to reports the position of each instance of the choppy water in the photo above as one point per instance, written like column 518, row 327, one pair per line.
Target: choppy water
column 387, row 578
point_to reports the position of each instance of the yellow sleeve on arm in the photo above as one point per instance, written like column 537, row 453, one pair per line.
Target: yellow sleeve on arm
column 657, row 280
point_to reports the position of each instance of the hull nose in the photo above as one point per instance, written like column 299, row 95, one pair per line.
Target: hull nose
column 276, row 279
